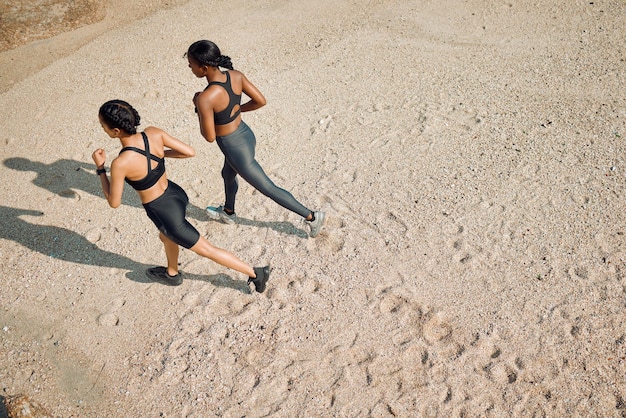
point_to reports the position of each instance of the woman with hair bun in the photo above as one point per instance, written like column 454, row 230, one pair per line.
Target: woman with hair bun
column 141, row 164
column 219, row 111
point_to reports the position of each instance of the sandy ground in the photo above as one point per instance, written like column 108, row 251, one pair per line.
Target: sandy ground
column 470, row 156
column 35, row 33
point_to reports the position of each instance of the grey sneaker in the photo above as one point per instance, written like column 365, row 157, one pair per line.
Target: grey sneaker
column 218, row 214
column 317, row 224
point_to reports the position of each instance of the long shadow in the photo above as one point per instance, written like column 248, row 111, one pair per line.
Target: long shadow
column 3, row 410
column 66, row 245
column 286, row 228
column 63, row 176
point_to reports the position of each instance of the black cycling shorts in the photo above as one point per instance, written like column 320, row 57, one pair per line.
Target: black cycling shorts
column 168, row 214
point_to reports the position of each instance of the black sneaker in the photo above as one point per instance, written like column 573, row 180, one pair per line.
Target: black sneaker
column 160, row 275
column 262, row 276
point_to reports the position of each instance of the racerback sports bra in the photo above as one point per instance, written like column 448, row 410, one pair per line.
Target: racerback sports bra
column 154, row 174
column 224, row 117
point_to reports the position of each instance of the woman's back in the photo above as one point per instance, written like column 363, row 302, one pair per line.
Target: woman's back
column 142, row 163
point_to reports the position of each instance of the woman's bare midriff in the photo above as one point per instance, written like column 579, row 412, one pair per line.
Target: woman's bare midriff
column 229, row 128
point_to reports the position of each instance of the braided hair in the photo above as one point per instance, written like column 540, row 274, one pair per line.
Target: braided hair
column 207, row 53
column 119, row 114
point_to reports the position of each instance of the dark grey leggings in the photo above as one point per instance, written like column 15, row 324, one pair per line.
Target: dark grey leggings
column 238, row 149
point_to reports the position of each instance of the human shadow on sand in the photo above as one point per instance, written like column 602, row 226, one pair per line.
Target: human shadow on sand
column 66, row 245
column 283, row 227
column 3, row 410
column 64, row 176
column 286, row 228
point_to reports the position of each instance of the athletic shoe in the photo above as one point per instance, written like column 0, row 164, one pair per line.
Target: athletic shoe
column 262, row 276
column 218, row 214
column 160, row 275
column 316, row 225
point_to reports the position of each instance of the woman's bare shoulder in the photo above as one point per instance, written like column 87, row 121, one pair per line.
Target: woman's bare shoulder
column 236, row 79
column 153, row 130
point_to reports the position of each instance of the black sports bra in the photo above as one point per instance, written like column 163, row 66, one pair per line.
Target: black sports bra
column 154, row 174
column 224, row 117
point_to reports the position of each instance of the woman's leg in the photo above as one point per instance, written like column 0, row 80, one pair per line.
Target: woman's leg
column 239, row 152
column 171, row 253
column 254, row 174
column 230, row 186
column 168, row 213
column 221, row 256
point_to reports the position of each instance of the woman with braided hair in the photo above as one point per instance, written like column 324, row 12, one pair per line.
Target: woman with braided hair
column 219, row 111
column 141, row 163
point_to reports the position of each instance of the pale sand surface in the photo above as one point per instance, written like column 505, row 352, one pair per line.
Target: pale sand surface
column 35, row 33
column 471, row 161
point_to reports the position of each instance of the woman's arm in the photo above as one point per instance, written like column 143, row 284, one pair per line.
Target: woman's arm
column 257, row 100
column 112, row 189
column 175, row 147
column 202, row 100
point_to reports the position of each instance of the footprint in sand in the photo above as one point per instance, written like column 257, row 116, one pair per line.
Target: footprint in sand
column 70, row 194
column 323, row 124
column 93, row 235
column 110, row 318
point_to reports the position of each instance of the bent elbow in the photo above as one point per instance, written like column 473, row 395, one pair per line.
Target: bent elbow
column 205, row 135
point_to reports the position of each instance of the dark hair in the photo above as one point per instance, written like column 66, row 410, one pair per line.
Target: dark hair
column 207, row 53
column 119, row 114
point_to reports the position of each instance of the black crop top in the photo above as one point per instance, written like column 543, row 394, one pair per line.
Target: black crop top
column 224, row 117
column 154, row 174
